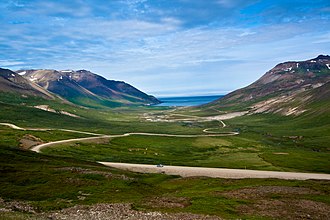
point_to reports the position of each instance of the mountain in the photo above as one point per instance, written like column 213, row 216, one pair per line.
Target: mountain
column 11, row 82
column 290, row 88
column 110, row 88
column 88, row 89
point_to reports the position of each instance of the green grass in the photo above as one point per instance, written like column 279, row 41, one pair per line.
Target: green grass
column 201, row 151
column 261, row 137
column 116, row 121
column 57, row 180
column 266, row 142
column 51, row 183
column 10, row 137
column 305, row 139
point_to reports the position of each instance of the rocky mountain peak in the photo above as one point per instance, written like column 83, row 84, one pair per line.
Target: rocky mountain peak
column 6, row 73
column 83, row 71
column 322, row 57
column 12, row 82
column 318, row 67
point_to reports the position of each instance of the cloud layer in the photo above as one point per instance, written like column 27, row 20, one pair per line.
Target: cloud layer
column 164, row 47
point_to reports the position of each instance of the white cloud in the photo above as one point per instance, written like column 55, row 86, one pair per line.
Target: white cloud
column 324, row 38
column 150, row 53
column 9, row 63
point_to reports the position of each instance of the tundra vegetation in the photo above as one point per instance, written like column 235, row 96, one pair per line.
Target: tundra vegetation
column 38, row 185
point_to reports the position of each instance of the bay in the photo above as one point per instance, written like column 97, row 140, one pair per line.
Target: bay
column 188, row 100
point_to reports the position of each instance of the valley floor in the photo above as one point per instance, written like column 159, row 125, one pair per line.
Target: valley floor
column 65, row 181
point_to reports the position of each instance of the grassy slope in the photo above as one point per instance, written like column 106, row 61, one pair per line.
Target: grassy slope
column 266, row 142
column 50, row 182
column 204, row 151
column 304, row 141
column 108, row 121
column 262, row 137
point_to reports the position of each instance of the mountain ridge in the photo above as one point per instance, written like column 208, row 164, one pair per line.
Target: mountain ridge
column 88, row 89
column 12, row 82
column 287, row 89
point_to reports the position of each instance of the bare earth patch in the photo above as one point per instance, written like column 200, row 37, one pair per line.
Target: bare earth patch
column 288, row 209
column 168, row 202
column 120, row 211
column 88, row 171
column 48, row 109
column 280, row 202
column 227, row 116
column 94, row 212
column 29, row 141
column 267, row 191
column 12, row 206
column 281, row 153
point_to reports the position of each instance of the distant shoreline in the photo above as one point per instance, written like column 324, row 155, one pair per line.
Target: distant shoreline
column 188, row 96
column 187, row 100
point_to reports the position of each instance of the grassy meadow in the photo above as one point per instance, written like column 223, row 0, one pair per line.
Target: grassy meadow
column 49, row 183
column 67, row 175
column 266, row 142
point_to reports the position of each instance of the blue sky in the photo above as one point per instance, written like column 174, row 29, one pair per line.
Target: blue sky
column 164, row 47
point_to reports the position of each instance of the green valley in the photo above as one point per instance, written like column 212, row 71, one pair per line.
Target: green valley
column 285, row 130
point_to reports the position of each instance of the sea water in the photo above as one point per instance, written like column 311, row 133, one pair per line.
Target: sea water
column 187, row 101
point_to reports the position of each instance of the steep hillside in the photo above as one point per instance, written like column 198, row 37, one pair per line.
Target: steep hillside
column 110, row 88
column 88, row 89
column 60, row 84
column 290, row 88
column 11, row 82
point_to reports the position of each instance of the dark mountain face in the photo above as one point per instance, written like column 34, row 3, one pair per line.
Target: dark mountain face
column 11, row 82
column 86, row 88
column 111, row 88
column 287, row 86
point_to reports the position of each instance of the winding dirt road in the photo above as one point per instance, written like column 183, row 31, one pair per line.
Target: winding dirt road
column 12, row 126
column 102, row 136
column 39, row 147
column 179, row 170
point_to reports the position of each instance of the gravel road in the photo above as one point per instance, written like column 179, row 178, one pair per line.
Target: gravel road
column 215, row 172
column 183, row 170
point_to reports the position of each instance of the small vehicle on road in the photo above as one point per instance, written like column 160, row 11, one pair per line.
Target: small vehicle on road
column 160, row 165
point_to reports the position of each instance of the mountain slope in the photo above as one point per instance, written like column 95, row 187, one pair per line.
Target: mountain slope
column 110, row 88
column 60, row 84
column 11, row 82
column 88, row 89
column 289, row 88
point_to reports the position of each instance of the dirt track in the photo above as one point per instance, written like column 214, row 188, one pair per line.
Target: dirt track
column 102, row 136
column 215, row 172
column 182, row 170
column 39, row 147
column 12, row 126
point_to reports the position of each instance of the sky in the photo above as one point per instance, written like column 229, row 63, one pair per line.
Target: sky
column 164, row 47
